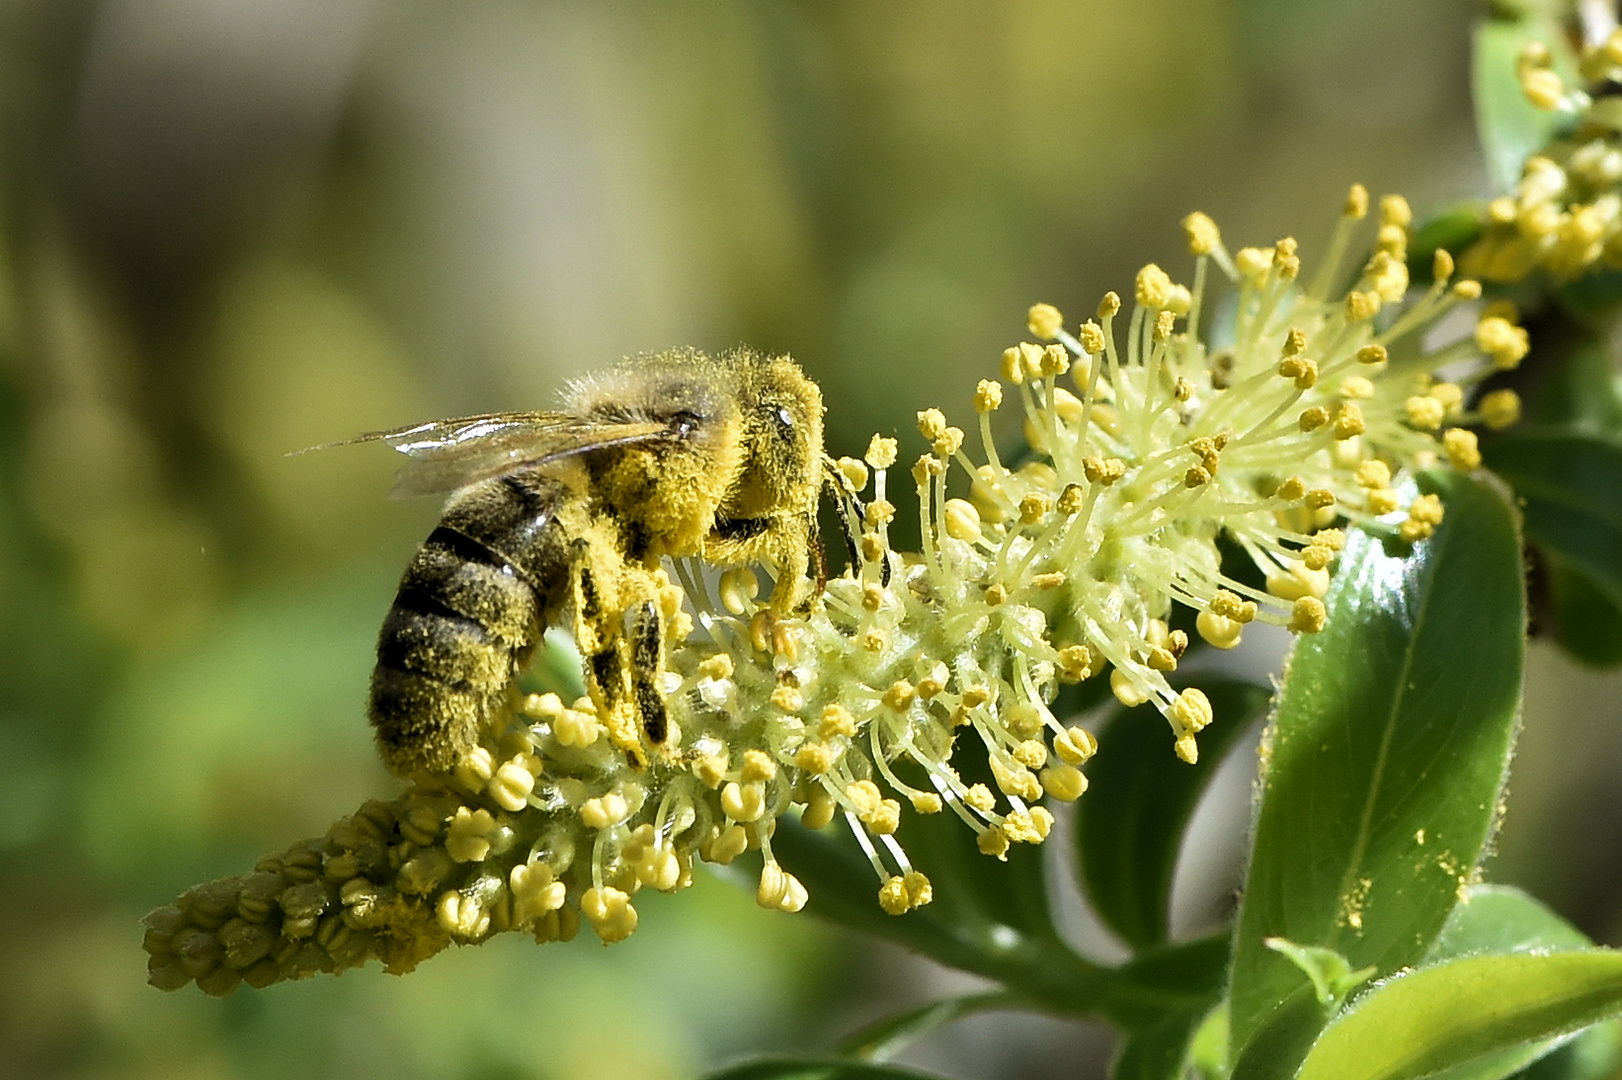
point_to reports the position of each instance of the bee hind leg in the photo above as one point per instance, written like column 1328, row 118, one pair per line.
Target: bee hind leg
column 647, row 633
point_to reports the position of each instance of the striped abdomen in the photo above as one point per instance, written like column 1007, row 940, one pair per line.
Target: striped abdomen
column 469, row 611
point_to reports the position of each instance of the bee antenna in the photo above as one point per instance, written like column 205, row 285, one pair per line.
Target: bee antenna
column 846, row 503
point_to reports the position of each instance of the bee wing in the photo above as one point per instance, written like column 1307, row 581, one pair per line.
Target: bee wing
column 449, row 454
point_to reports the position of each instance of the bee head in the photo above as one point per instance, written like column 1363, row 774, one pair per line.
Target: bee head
column 781, row 413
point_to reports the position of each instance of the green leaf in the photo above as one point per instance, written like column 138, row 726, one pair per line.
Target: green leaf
column 1129, row 825
column 884, row 1039
column 814, row 1069
column 1158, row 1052
column 1502, row 919
column 1510, row 127
column 1440, row 1017
column 1596, row 1054
column 1588, row 625
column 1332, row 976
column 1385, row 758
column 1276, row 1047
column 1570, row 487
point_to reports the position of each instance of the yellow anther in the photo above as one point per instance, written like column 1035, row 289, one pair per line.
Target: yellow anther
column 1500, row 409
column 987, row 396
column 1045, row 321
column 872, row 547
column 1424, row 412
column 1381, row 501
column 1320, row 499
column 1153, row 288
column 1074, row 745
column 996, row 595
column 1316, row 556
column 949, row 443
column 743, row 802
column 962, row 520
column 1467, row 290
column 1428, row 509
column 1314, row 418
column 1030, row 358
column 1292, row 489
column 994, row 842
column 1127, row 690
column 1109, row 306
column 881, row 452
column 1301, row 369
column 758, row 767
column 1031, row 754
column 926, row 466
column 1055, row 361
column 1182, row 389
column 1394, row 210
column 872, row 596
column 1164, row 324
column 1441, row 266
column 1218, row 630
column 1543, row 88
column 1449, row 394
column 1333, row 539
column 1160, row 659
column 1075, row 663
column 1357, row 202
column 1196, row 477
column 1013, row 367
column 1191, row 712
column 900, row 696
column 854, row 472
column 1362, row 305
column 1253, row 264
column 1064, row 782
column 1462, row 452
column 931, row 424
column 1349, row 421
column 1050, row 580
column 1373, row 474
column 1296, row 580
column 1203, row 235
column 815, row 758
column 979, row 797
column 1504, row 343
column 1355, row 387
column 1034, row 507
column 836, row 721
column 1308, row 616
column 610, row 913
column 1371, row 354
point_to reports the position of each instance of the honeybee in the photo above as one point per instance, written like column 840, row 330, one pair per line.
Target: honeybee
column 567, row 513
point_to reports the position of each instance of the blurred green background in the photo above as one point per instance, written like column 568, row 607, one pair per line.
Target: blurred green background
column 233, row 228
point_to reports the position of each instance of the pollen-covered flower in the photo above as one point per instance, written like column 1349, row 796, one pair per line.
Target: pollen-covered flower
column 1565, row 215
column 1147, row 439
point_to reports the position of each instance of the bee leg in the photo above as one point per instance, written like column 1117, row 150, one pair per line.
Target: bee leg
column 647, row 634
column 603, row 645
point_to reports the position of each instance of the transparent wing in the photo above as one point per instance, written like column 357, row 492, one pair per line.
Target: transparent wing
column 449, row 454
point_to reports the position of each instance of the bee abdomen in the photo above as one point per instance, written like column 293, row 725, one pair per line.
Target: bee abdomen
column 462, row 625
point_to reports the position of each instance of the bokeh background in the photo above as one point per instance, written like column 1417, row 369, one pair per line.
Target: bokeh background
column 234, row 228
